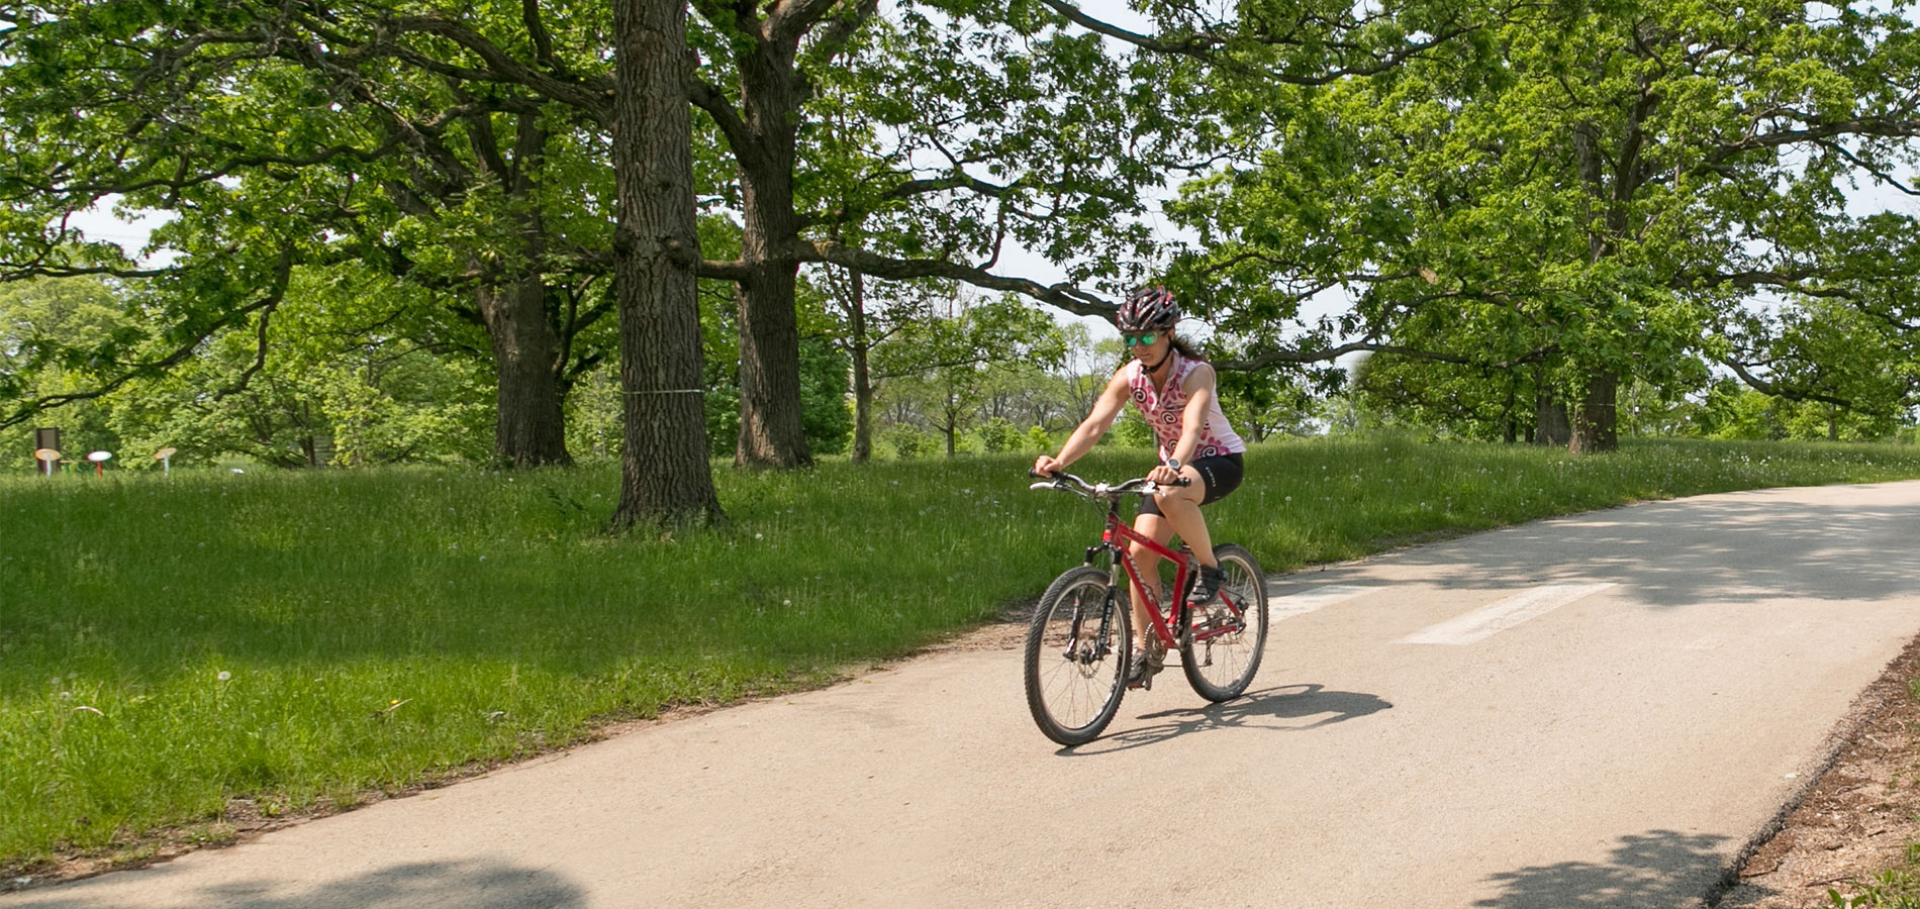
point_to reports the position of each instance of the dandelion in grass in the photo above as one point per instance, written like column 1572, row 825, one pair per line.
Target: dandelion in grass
column 223, row 675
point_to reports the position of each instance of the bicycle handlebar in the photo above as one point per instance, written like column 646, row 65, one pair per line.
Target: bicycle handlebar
column 1070, row 483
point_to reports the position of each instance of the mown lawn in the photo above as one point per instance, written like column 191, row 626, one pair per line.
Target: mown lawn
column 169, row 644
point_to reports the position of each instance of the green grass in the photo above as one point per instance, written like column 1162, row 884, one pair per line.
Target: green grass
column 169, row 644
column 1895, row 888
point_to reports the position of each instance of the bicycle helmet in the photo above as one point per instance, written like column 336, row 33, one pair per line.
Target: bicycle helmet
column 1148, row 309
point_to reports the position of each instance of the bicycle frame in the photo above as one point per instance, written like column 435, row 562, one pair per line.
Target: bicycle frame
column 1114, row 540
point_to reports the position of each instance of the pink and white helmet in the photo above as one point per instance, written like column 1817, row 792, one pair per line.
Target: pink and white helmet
column 1148, row 309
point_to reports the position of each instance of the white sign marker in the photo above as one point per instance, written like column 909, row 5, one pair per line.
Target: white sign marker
column 1306, row 601
column 1499, row 616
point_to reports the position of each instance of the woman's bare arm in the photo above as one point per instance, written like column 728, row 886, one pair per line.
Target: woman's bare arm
column 1088, row 433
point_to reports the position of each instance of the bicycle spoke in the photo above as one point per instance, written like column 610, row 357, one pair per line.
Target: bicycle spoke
column 1073, row 667
column 1229, row 633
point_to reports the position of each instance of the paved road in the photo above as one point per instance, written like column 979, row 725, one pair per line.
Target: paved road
column 1592, row 711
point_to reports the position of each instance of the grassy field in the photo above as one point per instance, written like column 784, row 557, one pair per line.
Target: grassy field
column 167, row 645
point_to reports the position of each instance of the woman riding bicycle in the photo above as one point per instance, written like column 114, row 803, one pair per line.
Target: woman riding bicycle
column 1174, row 390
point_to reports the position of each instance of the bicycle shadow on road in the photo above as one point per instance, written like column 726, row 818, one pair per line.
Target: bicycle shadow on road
column 1270, row 709
column 468, row 884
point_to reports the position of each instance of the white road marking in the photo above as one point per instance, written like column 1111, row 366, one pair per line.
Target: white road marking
column 1311, row 600
column 1494, row 618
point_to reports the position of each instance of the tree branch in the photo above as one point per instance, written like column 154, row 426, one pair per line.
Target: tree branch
column 1272, row 358
column 1206, row 45
column 708, row 97
column 1062, row 296
column 503, row 65
column 283, row 270
column 1771, row 388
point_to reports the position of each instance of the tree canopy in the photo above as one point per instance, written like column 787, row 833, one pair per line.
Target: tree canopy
column 1541, row 213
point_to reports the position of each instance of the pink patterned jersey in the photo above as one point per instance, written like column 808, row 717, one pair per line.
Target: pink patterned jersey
column 1163, row 409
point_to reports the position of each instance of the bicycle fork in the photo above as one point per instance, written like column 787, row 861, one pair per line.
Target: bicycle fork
column 1100, row 648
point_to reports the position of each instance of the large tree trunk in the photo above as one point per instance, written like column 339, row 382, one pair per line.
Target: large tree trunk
column 858, row 347
column 1596, row 420
column 664, row 473
column 770, row 429
column 529, row 427
column 529, row 423
column 771, row 93
column 1550, row 424
column 1509, row 429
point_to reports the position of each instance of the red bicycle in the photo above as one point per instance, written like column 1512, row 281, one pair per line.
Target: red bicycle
column 1078, row 657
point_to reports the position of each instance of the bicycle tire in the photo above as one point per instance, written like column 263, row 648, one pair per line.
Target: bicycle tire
column 1074, row 685
column 1220, row 668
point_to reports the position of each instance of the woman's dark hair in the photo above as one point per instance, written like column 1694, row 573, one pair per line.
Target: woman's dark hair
column 1180, row 344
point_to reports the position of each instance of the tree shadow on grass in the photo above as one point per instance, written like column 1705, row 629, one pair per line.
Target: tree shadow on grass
column 1659, row 869
column 421, row 885
column 1277, row 709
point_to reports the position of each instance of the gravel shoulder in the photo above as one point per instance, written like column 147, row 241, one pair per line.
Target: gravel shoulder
column 1856, row 818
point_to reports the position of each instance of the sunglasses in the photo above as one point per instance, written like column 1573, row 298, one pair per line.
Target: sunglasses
column 1141, row 340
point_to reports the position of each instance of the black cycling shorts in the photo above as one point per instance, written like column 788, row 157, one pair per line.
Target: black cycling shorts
column 1220, row 474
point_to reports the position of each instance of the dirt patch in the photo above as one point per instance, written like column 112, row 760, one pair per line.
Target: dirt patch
column 1854, row 819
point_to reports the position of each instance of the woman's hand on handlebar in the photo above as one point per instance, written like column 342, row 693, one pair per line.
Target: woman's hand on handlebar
column 1163, row 475
column 1044, row 466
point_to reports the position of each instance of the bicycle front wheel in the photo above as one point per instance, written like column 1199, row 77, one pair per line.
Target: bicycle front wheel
column 1077, row 657
column 1221, row 647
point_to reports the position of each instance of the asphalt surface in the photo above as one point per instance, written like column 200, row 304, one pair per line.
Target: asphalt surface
column 1598, row 710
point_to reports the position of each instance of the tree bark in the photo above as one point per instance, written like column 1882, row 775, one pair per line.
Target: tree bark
column 664, row 473
column 1550, row 424
column 1508, row 429
column 529, row 425
column 770, row 426
column 1595, row 423
column 858, row 347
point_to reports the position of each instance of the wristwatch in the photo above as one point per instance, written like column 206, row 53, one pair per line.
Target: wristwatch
column 1173, row 464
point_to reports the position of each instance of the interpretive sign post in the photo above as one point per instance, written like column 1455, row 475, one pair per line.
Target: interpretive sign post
column 46, row 439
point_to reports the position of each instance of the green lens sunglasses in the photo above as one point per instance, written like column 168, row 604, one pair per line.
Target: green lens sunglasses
column 1141, row 340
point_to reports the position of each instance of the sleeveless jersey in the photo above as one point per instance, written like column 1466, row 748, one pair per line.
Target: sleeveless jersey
column 1163, row 409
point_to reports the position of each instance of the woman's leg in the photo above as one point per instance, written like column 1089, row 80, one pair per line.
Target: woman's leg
column 1181, row 506
column 1147, row 562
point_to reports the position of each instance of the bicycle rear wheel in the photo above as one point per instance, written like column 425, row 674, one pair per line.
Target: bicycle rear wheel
column 1221, row 646
column 1076, row 662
